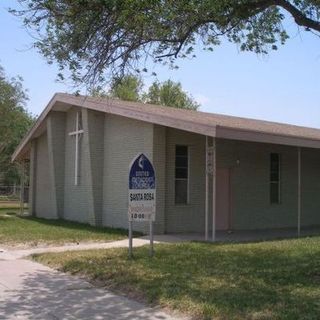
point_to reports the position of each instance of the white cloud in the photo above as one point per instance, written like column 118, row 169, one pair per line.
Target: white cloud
column 201, row 99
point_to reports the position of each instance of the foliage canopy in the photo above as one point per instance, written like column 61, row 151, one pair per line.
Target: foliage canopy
column 96, row 38
column 14, row 122
column 130, row 88
column 170, row 94
column 126, row 88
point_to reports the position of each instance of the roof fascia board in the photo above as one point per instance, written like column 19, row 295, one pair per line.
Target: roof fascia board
column 33, row 129
column 262, row 137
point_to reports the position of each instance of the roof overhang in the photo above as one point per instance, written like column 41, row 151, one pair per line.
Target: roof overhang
column 263, row 137
column 160, row 115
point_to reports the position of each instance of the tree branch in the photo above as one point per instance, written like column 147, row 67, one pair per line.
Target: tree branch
column 298, row 16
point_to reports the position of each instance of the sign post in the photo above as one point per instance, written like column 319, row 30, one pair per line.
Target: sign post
column 142, row 195
column 130, row 239
column 151, row 239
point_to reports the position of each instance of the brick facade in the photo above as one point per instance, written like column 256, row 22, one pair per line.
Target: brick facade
column 110, row 142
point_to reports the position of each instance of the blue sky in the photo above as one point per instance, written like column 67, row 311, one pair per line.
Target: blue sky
column 283, row 86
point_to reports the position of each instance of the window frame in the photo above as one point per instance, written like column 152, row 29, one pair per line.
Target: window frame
column 182, row 179
column 275, row 182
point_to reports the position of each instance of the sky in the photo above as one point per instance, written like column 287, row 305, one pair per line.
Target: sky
column 282, row 87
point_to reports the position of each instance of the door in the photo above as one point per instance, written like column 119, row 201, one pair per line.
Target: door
column 223, row 193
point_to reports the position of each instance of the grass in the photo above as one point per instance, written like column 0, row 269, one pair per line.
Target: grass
column 30, row 231
column 267, row 280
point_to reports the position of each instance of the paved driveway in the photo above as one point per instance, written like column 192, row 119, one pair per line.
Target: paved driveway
column 29, row 290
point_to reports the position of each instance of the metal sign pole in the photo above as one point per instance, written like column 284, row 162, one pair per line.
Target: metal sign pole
column 151, row 239
column 130, row 239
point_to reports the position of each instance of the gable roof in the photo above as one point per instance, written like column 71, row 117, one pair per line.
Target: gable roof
column 214, row 125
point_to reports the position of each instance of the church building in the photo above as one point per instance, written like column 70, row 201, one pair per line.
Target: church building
column 213, row 172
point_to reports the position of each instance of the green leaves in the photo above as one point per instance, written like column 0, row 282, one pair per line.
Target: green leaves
column 130, row 88
column 170, row 94
column 99, row 39
column 14, row 122
column 126, row 88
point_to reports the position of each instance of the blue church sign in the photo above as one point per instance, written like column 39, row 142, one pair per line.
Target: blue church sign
column 142, row 190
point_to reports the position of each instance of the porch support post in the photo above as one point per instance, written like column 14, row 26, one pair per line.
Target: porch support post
column 207, row 193
column 299, row 191
column 214, row 175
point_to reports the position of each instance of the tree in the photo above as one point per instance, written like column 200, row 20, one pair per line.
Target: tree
column 90, row 37
column 167, row 93
column 14, row 123
column 170, row 94
column 126, row 88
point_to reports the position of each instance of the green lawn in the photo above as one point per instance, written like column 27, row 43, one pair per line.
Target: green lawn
column 28, row 231
column 267, row 280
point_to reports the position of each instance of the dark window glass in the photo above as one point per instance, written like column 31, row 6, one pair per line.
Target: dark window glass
column 274, row 176
column 274, row 156
column 181, row 175
column 182, row 161
column 275, row 165
column 274, row 193
column 181, row 194
column 181, row 150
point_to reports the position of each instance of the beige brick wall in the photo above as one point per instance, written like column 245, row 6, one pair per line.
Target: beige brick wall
column 33, row 178
column 250, row 184
column 310, row 169
column 44, row 202
column 123, row 140
column 190, row 217
column 76, row 202
column 94, row 126
column 56, row 148
column 109, row 144
column 159, row 163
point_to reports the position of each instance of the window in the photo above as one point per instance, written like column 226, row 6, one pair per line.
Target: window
column 275, row 164
column 181, row 174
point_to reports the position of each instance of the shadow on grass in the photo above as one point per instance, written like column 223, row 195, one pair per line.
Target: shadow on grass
column 72, row 225
column 32, row 231
column 11, row 213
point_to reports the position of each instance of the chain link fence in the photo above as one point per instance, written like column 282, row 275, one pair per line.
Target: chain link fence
column 12, row 193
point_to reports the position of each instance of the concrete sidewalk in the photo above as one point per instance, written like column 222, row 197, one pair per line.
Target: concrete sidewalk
column 13, row 254
column 29, row 290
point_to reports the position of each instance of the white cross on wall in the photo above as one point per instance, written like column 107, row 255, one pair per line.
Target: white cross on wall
column 77, row 134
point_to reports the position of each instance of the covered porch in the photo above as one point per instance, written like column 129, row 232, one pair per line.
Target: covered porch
column 219, row 198
column 240, row 183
